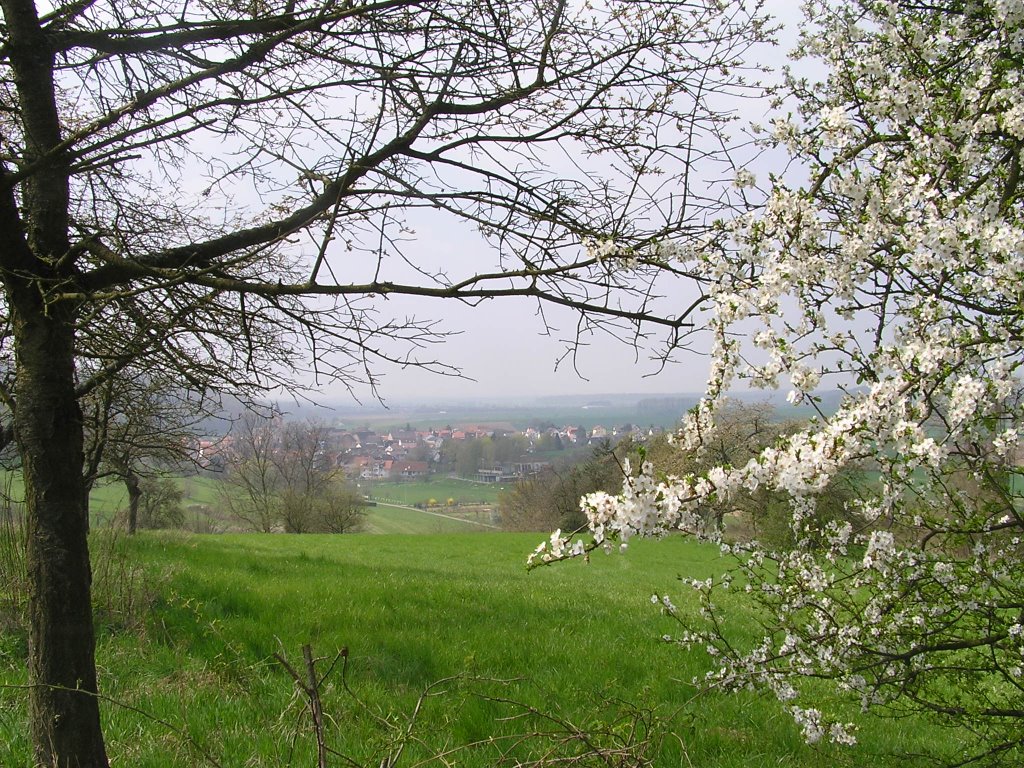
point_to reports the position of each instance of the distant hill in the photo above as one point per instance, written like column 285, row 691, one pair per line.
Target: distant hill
column 614, row 409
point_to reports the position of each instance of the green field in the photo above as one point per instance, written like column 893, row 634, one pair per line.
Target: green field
column 660, row 413
column 106, row 498
column 191, row 677
column 439, row 489
column 202, row 498
column 202, row 504
column 385, row 518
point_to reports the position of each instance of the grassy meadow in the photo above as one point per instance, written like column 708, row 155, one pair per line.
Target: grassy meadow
column 186, row 657
column 387, row 518
column 202, row 502
column 439, row 489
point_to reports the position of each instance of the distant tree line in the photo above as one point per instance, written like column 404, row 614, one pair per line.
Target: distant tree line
column 466, row 457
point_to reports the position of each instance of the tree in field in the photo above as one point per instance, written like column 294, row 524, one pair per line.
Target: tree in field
column 278, row 477
column 137, row 427
column 896, row 271
column 468, row 455
column 314, row 495
column 160, row 501
column 251, row 485
column 223, row 191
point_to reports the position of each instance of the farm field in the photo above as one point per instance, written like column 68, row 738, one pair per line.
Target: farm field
column 192, row 680
column 439, row 490
column 387, row 518
column 202, row 501
column 641, row 409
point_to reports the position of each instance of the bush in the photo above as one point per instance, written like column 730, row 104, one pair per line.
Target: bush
column 161, row 503
column 335, row 509
column 551, row 498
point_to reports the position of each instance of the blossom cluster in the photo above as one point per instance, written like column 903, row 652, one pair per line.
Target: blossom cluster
column 896, row 273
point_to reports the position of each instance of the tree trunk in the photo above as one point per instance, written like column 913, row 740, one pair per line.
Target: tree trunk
column 35, row 253
column 131, row 482
column 63, row 707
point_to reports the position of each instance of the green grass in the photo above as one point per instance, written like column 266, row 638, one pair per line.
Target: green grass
column 385, row 518
column 199, row 489
column 412, row 609
column 440, row 490
column 107, row 496
column 202, row 499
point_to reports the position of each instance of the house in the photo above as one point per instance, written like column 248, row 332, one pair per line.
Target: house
column 408, row 470
column 209, row 453
column 509, row 472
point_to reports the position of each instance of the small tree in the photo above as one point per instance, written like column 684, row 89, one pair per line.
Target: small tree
column 160, row 503
column 896, row 271
column 468, row 455
column 340, row 509
column 251, row 485
column 137, row 426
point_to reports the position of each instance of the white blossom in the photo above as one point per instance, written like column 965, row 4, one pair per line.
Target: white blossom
column 897, row 272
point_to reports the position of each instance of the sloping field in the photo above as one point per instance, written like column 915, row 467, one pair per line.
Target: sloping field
column 386, row 518
column 438, row 489
column 192, row 680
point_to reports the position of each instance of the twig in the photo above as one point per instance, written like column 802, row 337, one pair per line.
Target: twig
column 310, row 686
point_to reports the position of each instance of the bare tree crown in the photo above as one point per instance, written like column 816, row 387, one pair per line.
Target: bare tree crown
column 206, row 167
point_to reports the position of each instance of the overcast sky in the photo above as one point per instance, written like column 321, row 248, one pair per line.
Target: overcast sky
column 501, row 345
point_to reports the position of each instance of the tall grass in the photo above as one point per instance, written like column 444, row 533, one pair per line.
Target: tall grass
column 13, row 573
column 123, row 589
column 528, row 660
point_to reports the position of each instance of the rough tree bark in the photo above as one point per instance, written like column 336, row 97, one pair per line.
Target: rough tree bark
column 64, row 710
column 132, row 483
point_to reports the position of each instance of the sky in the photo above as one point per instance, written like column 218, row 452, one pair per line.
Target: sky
column 504, row 351
column 502, row 347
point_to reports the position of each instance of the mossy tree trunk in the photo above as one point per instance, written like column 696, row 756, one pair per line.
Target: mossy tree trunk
column 35, row 254
column 64, row 710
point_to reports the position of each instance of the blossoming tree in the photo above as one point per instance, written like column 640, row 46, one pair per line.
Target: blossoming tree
column 895, row 273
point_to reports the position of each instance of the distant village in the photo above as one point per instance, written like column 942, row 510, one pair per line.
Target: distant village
column 482, row 453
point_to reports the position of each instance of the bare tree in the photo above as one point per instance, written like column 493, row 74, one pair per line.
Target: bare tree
column 223, row 190
column 278, row 476
column 315, row 497
column 251, row 483
column 139, row 425
column 305, row 472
